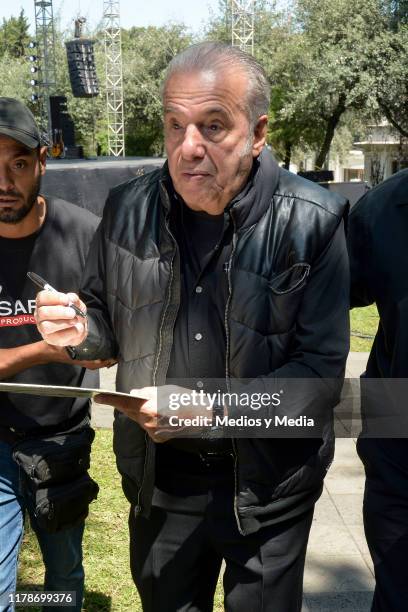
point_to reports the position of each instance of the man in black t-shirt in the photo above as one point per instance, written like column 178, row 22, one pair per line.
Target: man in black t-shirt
column 50, row 237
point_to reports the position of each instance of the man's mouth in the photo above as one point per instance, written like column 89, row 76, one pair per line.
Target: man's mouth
column 8, row 200
column 195, row 175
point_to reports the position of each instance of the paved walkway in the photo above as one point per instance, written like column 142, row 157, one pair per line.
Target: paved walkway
column 338, row 575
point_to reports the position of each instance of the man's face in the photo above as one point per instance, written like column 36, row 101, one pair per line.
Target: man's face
column 20, row 177
column 209, row 143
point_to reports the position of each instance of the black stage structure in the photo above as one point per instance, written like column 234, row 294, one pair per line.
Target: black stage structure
column 87, row 182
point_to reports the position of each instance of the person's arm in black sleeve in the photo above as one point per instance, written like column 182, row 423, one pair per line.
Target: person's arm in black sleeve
column 359, row 245
column 100, row 342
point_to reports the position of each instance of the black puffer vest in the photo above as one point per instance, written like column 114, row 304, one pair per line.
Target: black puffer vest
column 132, row 288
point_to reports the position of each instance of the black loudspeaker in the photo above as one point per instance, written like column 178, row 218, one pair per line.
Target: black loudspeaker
column 81, row 66
column 61, row 120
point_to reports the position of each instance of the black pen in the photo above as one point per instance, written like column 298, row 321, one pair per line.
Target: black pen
column 40, row 282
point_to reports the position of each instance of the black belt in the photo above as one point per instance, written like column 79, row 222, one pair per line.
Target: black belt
column 12, row 435
column 204, row 454
column 213, row 459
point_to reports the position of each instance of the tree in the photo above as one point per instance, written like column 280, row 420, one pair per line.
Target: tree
column 146, row 55
column 274, row 50
column 319, row 56
column 14, row 78
column 397, row 11
column 338, row 66
column 391, row 78
column 14, row 36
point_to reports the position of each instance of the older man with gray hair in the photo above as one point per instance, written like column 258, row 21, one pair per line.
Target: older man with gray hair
column 221, row 265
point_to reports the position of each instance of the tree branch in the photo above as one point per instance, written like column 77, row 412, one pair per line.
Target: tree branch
column 391, row 119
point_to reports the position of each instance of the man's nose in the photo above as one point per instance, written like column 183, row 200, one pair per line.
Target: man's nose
column 193, row 143
column 6, row 181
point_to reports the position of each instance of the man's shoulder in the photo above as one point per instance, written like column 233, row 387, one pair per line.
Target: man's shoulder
column 301, row 191
column 130, row 200
column 68, row 213
column 390, row 194
column 136, row 186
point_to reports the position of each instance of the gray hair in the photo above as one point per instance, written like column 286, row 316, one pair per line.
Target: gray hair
column 213, row 56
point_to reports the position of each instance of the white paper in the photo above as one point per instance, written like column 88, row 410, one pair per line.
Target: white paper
column 57, row 391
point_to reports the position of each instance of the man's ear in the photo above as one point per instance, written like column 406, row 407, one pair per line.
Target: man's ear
column 42, row 155
column 260, row 131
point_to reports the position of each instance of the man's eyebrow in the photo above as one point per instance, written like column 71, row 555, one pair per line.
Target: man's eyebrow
column 214, row 110
column 23, row 152
column 217, row 110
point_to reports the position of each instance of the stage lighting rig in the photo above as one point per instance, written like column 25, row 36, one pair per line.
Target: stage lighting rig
column 42, row 57
column 114, row 78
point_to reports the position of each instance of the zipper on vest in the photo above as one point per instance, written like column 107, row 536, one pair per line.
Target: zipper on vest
column 168, row 298
column 139, row 507
column 227, row 373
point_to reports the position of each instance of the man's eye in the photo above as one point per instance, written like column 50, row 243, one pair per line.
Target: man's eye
column 214, row 127
column 20, row 164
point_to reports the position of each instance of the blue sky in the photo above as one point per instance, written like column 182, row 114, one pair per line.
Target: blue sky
column 133, row 12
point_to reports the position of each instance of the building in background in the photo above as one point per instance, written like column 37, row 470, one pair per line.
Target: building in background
column 385, row 152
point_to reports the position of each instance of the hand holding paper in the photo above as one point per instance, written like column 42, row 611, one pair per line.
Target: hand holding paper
column 151, row 413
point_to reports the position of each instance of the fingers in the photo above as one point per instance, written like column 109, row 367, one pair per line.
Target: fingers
column 52, row 298
column 128, row 405
column 51, row 319
column 138, row 409
column 63, row 333
column 112, row 400
column 57, row 322
column 95, row 364
column 74, row 299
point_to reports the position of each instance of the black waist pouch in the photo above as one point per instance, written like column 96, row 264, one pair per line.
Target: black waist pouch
column 56, row 468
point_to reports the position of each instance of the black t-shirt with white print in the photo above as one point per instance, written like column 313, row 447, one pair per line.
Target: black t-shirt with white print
column 57, row 252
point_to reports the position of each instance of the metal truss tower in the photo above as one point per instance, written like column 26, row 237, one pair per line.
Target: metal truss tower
column 45, row 38
column 114, row 81
column 242, row 19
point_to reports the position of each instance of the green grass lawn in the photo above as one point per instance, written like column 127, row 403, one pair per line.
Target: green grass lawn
column 108, row 582
column 363, row 322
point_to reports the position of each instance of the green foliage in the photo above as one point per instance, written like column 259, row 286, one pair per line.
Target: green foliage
column 14, row 36
column 327, row 67
column 14, row 78
column 391, row 79
column 329, row 62
column 397, row 12
column 146, row 55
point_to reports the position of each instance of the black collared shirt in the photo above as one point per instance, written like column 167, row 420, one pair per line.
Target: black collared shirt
column 205, row 244
column 199, row 342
